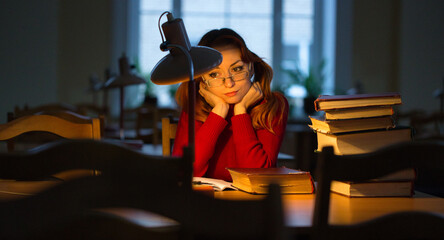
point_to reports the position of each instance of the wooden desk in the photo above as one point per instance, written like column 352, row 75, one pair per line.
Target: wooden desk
column 298, row 208
column 344, row 211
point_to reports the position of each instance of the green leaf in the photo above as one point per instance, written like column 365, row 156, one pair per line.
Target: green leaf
column 312, row 82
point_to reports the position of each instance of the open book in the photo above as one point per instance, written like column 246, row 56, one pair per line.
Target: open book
column 217, row 184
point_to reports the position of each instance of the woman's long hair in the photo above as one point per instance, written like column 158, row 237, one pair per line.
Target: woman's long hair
column 262, row 114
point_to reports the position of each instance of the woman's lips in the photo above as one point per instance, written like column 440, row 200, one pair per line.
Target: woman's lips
column 231, row 94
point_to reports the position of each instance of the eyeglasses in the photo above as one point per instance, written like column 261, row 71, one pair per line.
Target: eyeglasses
column 237, row 73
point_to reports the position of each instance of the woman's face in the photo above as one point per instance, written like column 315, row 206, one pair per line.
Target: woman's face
column 231, row 79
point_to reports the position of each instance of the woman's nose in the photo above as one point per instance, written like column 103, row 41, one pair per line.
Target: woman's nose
column 229, row 82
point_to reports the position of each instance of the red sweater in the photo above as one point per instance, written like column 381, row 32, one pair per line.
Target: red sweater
column 230, row 143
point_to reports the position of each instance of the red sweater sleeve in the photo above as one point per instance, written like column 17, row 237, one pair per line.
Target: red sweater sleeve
column 257, row 148
column 207, row 134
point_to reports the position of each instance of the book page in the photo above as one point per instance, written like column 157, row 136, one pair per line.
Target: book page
column 217, row 184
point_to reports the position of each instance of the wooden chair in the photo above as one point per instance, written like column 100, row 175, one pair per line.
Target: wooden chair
column 78, row 118
column 411, row 225
column 54, row 157
column 129, row 179
column 63, row 124
column 231, row 219
column 57, row 213
column 427, row 126
column 160, row 113
column 148, row 120
column 50, row 107
column 90, row 109
column 169, row 127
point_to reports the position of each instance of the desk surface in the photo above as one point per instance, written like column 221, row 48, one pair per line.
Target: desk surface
column 298, row 208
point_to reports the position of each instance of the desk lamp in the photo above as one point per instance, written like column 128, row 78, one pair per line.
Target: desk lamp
column 182, row 63
column 124, row 79
column 94, row 86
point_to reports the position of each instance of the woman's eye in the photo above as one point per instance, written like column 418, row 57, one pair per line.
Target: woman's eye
column 238, row 68
column 213, row 75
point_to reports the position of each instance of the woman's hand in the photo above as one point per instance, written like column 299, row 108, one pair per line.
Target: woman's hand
column 253, row 95
column 220, row 107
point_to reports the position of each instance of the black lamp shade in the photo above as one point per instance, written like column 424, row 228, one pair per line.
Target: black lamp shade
column 174, row 69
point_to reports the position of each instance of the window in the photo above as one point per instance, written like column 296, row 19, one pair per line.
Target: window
column 297, row 39
column 149, row 42
column 252, row 21
column 255, row 21
column 297, row 31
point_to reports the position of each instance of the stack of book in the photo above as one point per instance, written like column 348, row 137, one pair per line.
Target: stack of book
column 362, row 123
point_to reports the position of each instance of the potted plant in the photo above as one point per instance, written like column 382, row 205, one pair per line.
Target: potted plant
column 312, row 82
column 150, row 93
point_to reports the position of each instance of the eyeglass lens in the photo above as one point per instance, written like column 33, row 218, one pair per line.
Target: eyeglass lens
column 216, row 77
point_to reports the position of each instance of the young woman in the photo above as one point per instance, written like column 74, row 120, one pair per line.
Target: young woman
column 240, row 123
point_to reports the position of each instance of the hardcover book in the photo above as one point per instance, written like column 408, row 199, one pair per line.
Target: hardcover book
column 373, row 189
column 361, row 112
column 327, row 102
column 320, row 124
column 256, row 180
column 396, row 184
column 363, row 141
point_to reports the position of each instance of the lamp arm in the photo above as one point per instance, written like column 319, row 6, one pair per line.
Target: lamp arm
column 191, row 97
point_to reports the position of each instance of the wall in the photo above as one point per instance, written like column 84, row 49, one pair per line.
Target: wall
column 398, row 46
column 28, row 53
column 49, row 48
column 375, row 58
column 422, row 53
column 84, row 47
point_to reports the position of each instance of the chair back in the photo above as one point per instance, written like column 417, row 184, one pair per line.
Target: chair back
column 128, row 179
column 169, row 128
column 427, row 126
column 198, row 216
column 50, row 107
column 419, row 155
column 106, row 157
column 148, row 119
column 239, row 219
column 90, row 109
column 63, row 124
